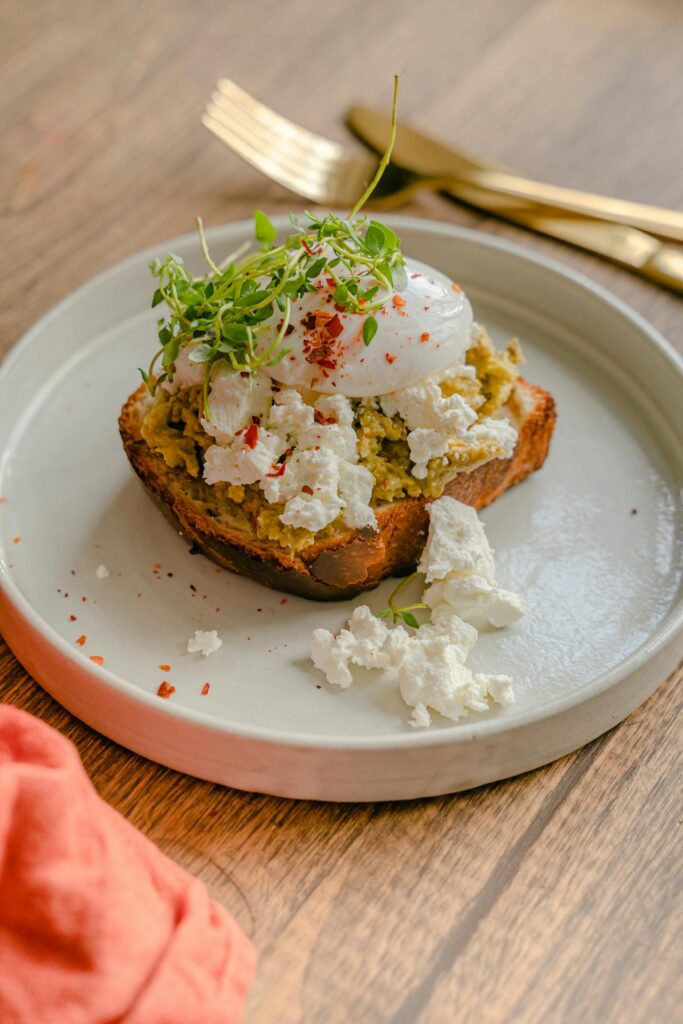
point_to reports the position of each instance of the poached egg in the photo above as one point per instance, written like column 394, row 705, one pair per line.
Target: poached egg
column 421, row 331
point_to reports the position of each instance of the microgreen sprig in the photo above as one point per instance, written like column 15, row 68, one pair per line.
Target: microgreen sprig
column 404, row 612
column 224, row 313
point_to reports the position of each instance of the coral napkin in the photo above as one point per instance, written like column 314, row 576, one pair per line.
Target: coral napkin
column 97, row 926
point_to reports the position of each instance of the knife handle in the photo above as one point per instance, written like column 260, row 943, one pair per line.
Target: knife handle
column 665, row 267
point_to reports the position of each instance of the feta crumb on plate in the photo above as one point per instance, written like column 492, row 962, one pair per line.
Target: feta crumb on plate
column 430, row 664
column 102, row 572
column 204, row 642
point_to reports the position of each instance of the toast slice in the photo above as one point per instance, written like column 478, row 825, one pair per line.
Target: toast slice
column 338, row 567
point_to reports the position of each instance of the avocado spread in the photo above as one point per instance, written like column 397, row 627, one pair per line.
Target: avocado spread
column 172, row 427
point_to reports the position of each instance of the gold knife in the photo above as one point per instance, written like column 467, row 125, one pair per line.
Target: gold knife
column 626, row 245
column 425, row 156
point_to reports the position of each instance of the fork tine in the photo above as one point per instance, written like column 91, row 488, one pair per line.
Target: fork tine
column 262, row 162
column 326, row 183
column 314, row 159
column 280, row 149
column 281, row 125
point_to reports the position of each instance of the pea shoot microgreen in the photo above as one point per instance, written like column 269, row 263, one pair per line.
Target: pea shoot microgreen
column 403, row 612
column 224, row 313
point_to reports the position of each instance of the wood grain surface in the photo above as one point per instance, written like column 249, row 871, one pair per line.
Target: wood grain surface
column 550, row 897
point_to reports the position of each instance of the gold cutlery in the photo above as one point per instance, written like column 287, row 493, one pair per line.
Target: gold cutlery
column 327, row 173
column 425, row 157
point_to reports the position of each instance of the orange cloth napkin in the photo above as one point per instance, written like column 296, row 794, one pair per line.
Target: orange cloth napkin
column 97, row 926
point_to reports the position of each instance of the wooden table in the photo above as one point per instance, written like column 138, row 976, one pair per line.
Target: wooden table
column 551, row 897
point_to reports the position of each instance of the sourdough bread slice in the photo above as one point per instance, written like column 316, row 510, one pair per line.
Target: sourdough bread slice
column 341, row 566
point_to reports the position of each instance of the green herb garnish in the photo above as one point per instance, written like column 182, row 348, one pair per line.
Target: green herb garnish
column 404, row 612
column 222, row 314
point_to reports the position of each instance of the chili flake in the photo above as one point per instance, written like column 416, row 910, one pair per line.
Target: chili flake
column 165, row 690
column 205, row 689
column 389, row 358
column 424, row 336
column 164, row 668
column 398, row 301
column 251, row 436
column 81, row 640
column 98, row 659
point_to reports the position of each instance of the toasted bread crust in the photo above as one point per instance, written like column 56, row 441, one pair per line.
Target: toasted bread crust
column 342, row 566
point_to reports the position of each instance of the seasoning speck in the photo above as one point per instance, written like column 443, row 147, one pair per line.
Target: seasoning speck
column 165, row 690
column 16, row 540
column 81, row 640
column 634, row 511
column 72, row 618
column 97, row 658
column 164, row 668
column 205, row 689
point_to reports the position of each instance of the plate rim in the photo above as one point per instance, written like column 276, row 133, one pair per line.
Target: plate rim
column 466, row 731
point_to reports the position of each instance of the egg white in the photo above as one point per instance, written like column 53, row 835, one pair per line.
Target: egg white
column 424, row 330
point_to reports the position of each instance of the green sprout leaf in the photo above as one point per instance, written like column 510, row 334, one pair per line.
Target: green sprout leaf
column 264, row 228
column 369, row 329
column 410, row 620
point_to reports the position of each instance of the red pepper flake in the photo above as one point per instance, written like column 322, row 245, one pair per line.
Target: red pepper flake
column 72, row 618
column 84, row 599
column 165, row 690
column 323, row 420
column 81, row 640
column 16, row 540
column 306, row 489
column 157, row 565
column 97, row 658
column 398, row 301
column 424, row 336
column 277, row 470
column 283, row 600
column 389, row 358
column 334, row 327
column 456, row 287
column 164, row 668
column 251, row 436
column 311, row 252
column 205, row 689
column 329, row 364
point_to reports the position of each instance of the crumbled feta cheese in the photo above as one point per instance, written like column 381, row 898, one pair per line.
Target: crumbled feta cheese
column 247, row 459
column 475, row 600
column 204, row 642
column 456, row 542
column 322, row 477
column 498, row 687
column 102, row 572
column 185, row 373
column 430, row 665
column 458, row 562
column 433, row 422
column 355, row 488
column 234, row 401
column 420, row 718
column 361, row 644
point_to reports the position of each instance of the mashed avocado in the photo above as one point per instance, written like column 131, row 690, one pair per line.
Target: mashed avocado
column 172, row 427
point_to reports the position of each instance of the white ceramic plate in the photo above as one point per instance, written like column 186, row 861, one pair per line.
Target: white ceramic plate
column 592, row 541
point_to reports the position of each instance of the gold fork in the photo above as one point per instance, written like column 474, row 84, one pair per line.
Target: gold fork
column 328, row 174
